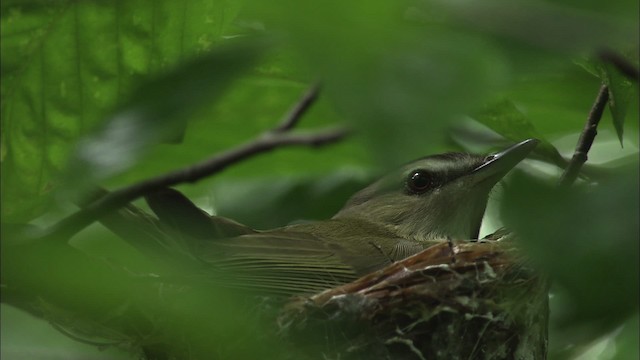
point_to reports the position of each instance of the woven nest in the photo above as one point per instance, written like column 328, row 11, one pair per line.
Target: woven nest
column 472, row 300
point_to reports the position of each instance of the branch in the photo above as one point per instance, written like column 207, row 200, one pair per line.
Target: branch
column 590, row 129
column 586, row 138
column 294, row 115
column 623, row 65
column 270, row 140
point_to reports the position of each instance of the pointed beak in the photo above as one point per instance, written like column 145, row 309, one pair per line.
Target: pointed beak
column 496, row 166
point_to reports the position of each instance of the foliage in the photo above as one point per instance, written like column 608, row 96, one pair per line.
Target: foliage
column 114, row 92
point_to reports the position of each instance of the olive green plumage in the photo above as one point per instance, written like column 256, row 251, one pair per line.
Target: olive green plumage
column 426, row 201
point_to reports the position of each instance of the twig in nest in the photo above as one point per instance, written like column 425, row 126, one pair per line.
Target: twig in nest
column 586, row 138
column 270, row 140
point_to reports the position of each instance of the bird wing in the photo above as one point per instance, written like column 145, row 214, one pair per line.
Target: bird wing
column 177, row 212
column 278, row 262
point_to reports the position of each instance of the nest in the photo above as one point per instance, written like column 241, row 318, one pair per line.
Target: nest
column 472, row 300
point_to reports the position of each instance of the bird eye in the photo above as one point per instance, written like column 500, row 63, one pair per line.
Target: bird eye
column 489, row 158
column 419, row 181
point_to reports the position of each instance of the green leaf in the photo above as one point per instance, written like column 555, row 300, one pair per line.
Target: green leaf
column 21, row 331
column 96, row 299
column 506, row 119
column 592, row 67
column 398, row 84
column 586, row 239
column 626, row 342
column 156, row 110
column 67, row 64
column 270, row 202
column 621, row 92
column 544, row 25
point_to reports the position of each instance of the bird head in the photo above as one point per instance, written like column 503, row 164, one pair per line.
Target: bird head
column 438, row 196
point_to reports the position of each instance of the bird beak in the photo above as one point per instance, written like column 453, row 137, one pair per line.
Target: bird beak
column 496, row 166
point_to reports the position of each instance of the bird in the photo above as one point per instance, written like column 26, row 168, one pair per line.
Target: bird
column 436, row 198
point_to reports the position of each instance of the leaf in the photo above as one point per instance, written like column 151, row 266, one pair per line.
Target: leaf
column 592, row 67
column 156, row 110
column 95, row 299
column 626, row 342
column 506, row 119
column 587, row 241
column 18, row 343
column 621, row 91
column 67, row 64
column 397, row 84
column 268, row 203
column 544, row 25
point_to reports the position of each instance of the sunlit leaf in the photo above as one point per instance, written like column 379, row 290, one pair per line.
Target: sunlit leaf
column 67, row 64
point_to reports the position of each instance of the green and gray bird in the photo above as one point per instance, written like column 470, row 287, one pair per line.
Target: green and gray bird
column 437, row 198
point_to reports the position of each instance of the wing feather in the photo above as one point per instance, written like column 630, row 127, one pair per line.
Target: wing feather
column 302, row 258
column 279, row 263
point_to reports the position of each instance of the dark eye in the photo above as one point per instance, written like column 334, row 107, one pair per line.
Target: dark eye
column 419, row 181
column 489, row 158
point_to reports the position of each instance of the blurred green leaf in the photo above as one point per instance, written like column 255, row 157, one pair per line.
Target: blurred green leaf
column 545, row 25
column 397, row 83
column 27, row 337
column 506, row 119
column 626, row 342
column 156, row 110
column 556, row 99
column 273, row 202
column 621, row 9
column 105, row 301
column 250, row 107
column 587, row 240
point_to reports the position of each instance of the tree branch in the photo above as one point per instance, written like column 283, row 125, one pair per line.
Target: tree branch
column 623, row 65
column 270, row 140
column 294, row 115
column 586, row 138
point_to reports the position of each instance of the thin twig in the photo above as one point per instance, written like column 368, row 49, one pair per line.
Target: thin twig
column 268, row 141
column 71, row 225
column 623, row 65
column 294, row 115
column 586, row 138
